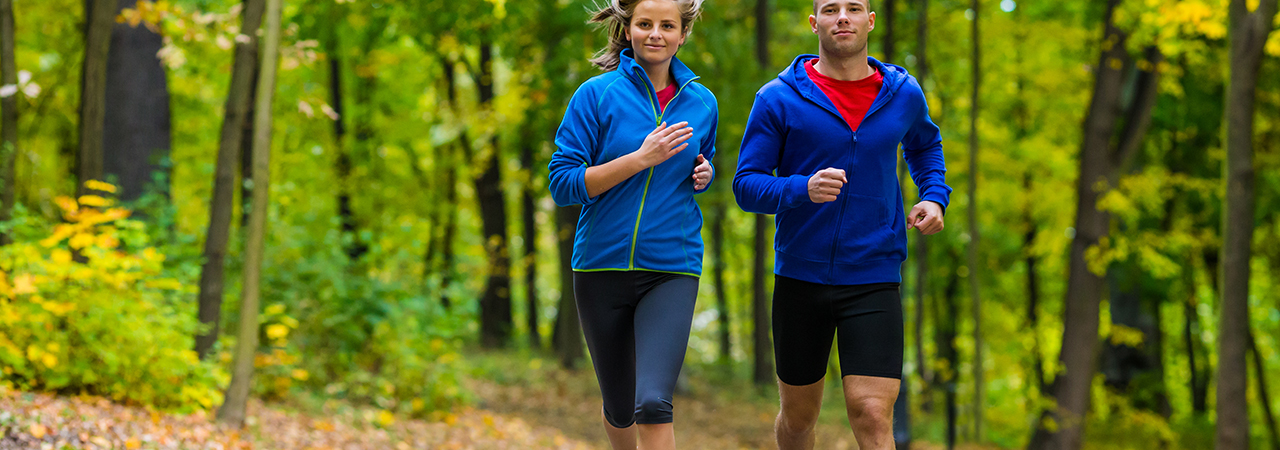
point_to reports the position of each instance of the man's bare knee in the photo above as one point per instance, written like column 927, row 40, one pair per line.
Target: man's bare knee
column 800, row 407
column 870, row 413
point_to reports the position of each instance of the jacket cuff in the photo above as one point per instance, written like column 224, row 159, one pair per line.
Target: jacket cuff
column 797, row 192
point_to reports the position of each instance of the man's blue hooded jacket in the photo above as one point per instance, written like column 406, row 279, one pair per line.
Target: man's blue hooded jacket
column 794, row 131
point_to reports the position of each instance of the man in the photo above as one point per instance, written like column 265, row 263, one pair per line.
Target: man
column 820, row 151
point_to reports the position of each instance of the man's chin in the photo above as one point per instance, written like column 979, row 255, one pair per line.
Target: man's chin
column 842, row 49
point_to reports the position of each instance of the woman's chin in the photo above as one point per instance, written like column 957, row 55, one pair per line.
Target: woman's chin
column 653, row 57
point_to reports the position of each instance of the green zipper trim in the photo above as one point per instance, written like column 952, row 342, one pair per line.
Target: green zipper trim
column 635, row 233
column 641, row 270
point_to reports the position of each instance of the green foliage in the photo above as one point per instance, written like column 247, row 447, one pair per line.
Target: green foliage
column 93, row 308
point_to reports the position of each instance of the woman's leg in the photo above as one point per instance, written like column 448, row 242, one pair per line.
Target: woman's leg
column 662, row 321
column 606, row 308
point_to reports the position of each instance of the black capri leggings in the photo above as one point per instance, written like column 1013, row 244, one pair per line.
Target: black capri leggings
column 637, row 329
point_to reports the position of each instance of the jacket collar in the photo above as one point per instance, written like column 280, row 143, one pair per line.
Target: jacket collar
column 631, row 69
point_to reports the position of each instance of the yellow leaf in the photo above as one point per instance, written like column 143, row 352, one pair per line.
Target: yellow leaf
column 150, row 254
column 417, row 404
column 300, row 375
column 24, row 284
column 61, row 256
column 108, row 242
column 5, row 289
column 385, row 418
column 274, row 309
column 169, row 284
column 100, row 186
column 94, row 201
column 67, row 204
column 81, row 240
column 450, row 419
column 277, row 331
column 488, row 420
column 133, row 444
column 37, row 431
column 323, row 425
column 49, row 359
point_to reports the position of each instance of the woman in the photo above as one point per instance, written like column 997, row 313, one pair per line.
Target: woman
column 635, row 144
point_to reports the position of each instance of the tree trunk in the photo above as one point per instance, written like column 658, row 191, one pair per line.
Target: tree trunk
column 93, row 90
column 762, row 370
column 528, row 209
column 901, row 407
column 1260, row 374
column 8, row 117
column 946, row 332
column 1033, row 295
column 234, row 116
column 568, row 335
column 136, row 134
column 1021, row 118
column 450, row 225
column 886, row 20
column 1190, row 336
column 355, row 248
column 233, row 409
column 495, row 305
column 1136, row 371
column 246, row 142
column 450, row 189
column 717, row 277
column 975, row 290
column 1100, row 163
column 921, row 250
column 1248, row 36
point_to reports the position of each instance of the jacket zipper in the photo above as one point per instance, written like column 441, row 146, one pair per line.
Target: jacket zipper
column 835, row 238
column 652, row 94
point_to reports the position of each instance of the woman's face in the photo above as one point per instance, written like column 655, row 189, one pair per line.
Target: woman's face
column 655, row 31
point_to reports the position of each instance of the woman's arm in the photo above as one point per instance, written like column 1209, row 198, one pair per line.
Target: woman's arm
column 661, row 144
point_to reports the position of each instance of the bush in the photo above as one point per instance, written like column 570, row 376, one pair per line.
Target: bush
column 91, row 309
column 366, row 338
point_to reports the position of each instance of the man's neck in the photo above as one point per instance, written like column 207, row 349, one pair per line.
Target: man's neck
column 844, row 69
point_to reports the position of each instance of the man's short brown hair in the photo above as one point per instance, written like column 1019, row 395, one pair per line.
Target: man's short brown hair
column 815, row 5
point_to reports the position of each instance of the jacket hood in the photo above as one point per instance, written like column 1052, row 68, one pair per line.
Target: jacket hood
column 798, row 78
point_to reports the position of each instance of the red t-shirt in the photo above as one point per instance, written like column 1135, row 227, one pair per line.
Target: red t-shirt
column 852, row 98
column 665, row 96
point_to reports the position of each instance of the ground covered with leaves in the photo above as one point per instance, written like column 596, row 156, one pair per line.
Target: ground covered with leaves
column 538, row 407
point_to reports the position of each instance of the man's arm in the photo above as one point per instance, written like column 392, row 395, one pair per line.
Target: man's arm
column 922, row 149
column 754, row 185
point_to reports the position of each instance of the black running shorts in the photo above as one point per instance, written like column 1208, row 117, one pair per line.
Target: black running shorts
column 868, row 318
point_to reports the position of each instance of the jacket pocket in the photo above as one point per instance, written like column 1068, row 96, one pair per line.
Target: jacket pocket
column 808, row 231
column 865, row 234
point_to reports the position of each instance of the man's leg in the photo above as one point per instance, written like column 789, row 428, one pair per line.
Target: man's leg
column 802, row 332
column 869, row 328
column 869, row 401
column 799, row 415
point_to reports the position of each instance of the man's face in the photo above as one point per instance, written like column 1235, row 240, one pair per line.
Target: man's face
column 842, row 26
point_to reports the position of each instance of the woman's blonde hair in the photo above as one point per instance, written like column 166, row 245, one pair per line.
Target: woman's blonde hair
column 615, row 18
